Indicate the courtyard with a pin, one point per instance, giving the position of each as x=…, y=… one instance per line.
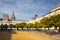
x=24, y=35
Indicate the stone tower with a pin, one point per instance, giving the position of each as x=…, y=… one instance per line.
x=13, y=17
x=5, y=17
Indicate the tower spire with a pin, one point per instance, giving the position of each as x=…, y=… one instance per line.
x=12, y=13
x=13, y=17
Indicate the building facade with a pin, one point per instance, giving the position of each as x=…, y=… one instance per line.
x=5, y=17
x=6, y=20
x=13, y=20
x=13, y=16
x=54, y=11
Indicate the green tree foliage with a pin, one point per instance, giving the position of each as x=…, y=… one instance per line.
x=51, y=21
x=30, y=25
x=17, y=26
x=5, y=26
x=37, y=25
x=11, y=26
x=21, y=25
x=45, y=22
x=1, y=25
x=24, y=25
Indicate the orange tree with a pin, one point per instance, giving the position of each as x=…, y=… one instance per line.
x=51, y=21
x=29, y=26
x=1, y=26
x=11, y=26
x=17, y=26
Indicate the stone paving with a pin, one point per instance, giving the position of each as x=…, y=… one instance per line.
x=55, y=36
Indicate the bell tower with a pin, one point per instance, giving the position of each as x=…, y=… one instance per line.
x=13, y=16
x=5, y=17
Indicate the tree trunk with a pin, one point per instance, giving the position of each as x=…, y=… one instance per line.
x=17, y=28
x=55, y=29
x=27, y=28
x=22, y=28
x=44, y=29
x=49, y=30
x=37, y=29
x=59, y=29
x=6, y=28
x=11, y=28
x=1, y=28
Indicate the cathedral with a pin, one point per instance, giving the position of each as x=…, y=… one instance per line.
x=6, y=17
x=12, y=20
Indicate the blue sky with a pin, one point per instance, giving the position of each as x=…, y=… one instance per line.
x=26, y=9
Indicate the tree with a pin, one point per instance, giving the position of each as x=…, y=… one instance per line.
x=51, y=21
x=11, y=26
x=30, y=25
x=37, y=25
x=23, y=25
x=5, y=26
x=17, y=26
x=44, y=22
x=1, y=26
x=47, y=22
x=56, y=21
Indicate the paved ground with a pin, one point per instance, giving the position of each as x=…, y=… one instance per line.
x=56, y=37
x=23, y=35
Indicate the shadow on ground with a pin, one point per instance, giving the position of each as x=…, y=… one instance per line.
x=6, y=35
